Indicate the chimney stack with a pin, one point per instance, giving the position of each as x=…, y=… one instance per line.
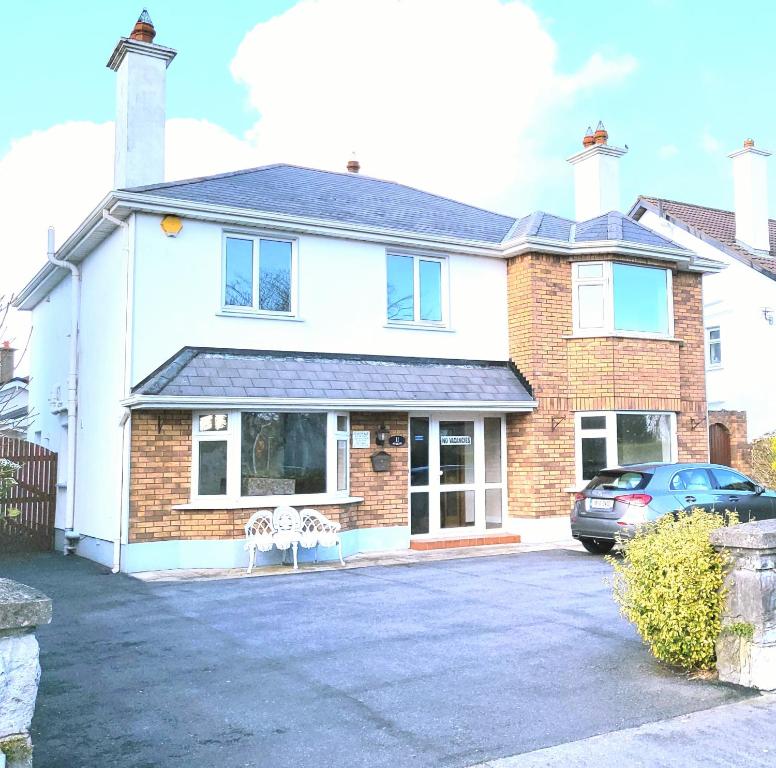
x=141, y=69
x=7, y=364
x=596, y=175
x=750, y=196
x=353, y=165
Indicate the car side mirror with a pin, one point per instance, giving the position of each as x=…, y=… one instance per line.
x=759, y=490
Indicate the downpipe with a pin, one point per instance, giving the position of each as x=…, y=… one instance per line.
x=71, y=536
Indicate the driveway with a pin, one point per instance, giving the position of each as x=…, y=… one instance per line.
x=436, y=664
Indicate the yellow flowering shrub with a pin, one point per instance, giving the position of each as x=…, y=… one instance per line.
x=668, y=583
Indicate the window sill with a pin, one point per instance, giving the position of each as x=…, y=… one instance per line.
x=255, y=314
x=260, y=502
x=407, y=326
x=622, y=335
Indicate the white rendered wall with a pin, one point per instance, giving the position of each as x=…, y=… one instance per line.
x=596, y=183
x=734, y=300
x=100, y=381
x=342, y=302
x=48, y=366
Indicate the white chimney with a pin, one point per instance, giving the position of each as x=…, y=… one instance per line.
x=141, y=68
x=596, y=175
x=750, y=196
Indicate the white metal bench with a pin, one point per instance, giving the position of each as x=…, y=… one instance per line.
x=287, y=528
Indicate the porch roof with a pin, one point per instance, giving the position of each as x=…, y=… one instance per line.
x=203, y=376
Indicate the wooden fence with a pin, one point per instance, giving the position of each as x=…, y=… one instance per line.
x=34, y=496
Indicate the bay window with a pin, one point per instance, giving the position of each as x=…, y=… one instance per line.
x=241, y=455
x=610, y=298
x=610, y=439
x=258, y=275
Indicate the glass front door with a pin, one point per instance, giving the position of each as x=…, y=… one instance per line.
x=456, y=474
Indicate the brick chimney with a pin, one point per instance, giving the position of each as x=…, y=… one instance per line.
x=596, y=175
x=750, y=196
x=7, y=363
x=141, y=69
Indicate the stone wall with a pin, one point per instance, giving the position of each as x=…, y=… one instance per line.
x=746, y=648
x=608, y=373
x=160, y=479
x=22, y=608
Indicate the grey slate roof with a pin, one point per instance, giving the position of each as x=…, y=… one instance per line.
x=198, y=372
x=342, y=197
x=352, y=199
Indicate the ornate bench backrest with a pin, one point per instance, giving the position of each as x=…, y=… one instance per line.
x=259, y=523
x=318, y=529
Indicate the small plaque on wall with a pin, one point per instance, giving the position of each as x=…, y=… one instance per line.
x=397, y=441
x=360, y=438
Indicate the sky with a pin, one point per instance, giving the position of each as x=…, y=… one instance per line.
x=479, y=100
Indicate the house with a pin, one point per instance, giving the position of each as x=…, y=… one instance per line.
x=419, y=369
x=739, y=304
x=13, y=395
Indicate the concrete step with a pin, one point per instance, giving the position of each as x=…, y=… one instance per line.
x=482, y=540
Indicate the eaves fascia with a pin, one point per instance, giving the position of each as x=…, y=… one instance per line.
x=316, y=404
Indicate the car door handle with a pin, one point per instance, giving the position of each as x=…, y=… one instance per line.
x=733, y=498
x=690, y=499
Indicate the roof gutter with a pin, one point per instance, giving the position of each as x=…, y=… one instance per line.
x=345, y=404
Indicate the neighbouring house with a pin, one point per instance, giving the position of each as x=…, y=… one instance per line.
x=739, y=304
x=421, y=370
x=14, y=414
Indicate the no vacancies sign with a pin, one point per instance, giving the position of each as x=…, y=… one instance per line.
x=455, y=440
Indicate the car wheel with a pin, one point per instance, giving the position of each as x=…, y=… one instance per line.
x=597, y=546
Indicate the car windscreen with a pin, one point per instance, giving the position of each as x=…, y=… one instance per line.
x=616, y=480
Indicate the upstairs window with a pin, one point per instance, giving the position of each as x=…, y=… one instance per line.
x=714, y=347
x=621, y=298
x=415, y=289
x=258, y=275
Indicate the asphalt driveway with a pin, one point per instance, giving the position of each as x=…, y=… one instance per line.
x=436, y=664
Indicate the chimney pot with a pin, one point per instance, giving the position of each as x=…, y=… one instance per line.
x=144, y=29
x=7, y=362
x=748, y=142
x=353, y=166
x=601, y=136
x=589, y=138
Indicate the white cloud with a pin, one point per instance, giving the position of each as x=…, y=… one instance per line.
x=709, y=143
x=447, y=96
x=453, y=97
x=667, y=151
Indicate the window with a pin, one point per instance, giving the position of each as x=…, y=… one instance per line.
x=258, y=274
x=696, y=479
x=414, y=289
x=628, y=298
x=727, y=480
x=613, y=439
x=267, y=453
x=713, y=347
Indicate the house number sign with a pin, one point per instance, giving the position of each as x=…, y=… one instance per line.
x=360, y=438
x=455, y=440
x=396, y=440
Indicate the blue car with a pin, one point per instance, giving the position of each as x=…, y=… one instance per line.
x=616, y=501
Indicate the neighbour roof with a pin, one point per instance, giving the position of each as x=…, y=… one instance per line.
x=720, y=226
x=198, y=372
x=350, y=198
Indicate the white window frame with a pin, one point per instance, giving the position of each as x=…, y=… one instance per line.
x=609, y=432
x=254, y=310
x=233, y=437
x=606, y=280
x=709, y=341
x=444, y=297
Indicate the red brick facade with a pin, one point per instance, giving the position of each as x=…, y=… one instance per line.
x=586, y=374
x=160, y=479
